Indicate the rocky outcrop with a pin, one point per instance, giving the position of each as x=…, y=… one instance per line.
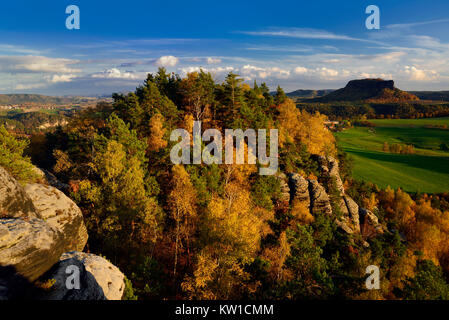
x=38, y=224
x=319, y=199
x=61, y=213
x=88, y=289
x=349, y=221
x=285, y=190
x=83, y=276
x=108, y=276
x=30, y=247
x=14, y=202
x=299, y=188
x=350, y=218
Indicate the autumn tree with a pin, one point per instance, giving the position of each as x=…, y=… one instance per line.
x=182, y=202
x=12, y=158
x=156, y=140
x=197, y=90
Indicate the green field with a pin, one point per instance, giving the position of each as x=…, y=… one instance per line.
x=426, y=171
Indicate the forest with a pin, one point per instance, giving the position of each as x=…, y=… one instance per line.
x=223, y=231
x=387, y=110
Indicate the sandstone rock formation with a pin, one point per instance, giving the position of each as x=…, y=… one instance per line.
x=31, y=247
x=299, y=188
x=14, y=202
x=38, y=223
x=351, y=218
x=285, y=190
x=108, y=276
x=319, y=199
x=60, y=212
x=89, y=289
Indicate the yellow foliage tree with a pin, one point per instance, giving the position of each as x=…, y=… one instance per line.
x=182, y=202
x=300, y=126
x=156, y=140
x=233, y=233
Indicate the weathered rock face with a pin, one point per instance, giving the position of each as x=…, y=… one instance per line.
x=38, y=224
x=353, y=220
x=285, y=190
x=61, y=213
x=299, y=188
x=89, y=289
x=108, y=276
x=30, y=247
x=350, y=210
x=14, y=202
x=329, y=167
x=319, y=199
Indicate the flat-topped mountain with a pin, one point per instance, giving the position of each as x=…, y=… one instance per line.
x=370, y=90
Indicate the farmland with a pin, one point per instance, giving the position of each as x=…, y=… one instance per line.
x=427, y=170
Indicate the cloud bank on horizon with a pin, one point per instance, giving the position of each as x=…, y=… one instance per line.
x=320, y=45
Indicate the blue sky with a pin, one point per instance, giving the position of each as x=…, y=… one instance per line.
x=296, y=44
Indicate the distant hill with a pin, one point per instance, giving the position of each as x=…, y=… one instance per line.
x=301, y=93
x=432, y=95
x=369, y=90
x=25, y=99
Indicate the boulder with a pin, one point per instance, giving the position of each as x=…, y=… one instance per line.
x=88, y=289
x=108, y=276
x=14, y=202
x=60, y=212
x=30, y=247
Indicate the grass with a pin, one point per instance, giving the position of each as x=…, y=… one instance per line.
x=426, y=171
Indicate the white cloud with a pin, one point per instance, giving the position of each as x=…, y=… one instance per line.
x=415, y=74
x=251, y=72
x=36, y=64
x=301, y=70
x=211, y=60
x=167, y=61
x=114, y=73
x=61, y=78
x=303, y=33
x=28, y=86
x=218, y=71
x=384, y=76
x=414, y=24
x=17, y=49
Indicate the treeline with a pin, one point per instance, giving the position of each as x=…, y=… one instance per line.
x=224, y=231
x=344, y=110
x=398, y=148
x=31, y=122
